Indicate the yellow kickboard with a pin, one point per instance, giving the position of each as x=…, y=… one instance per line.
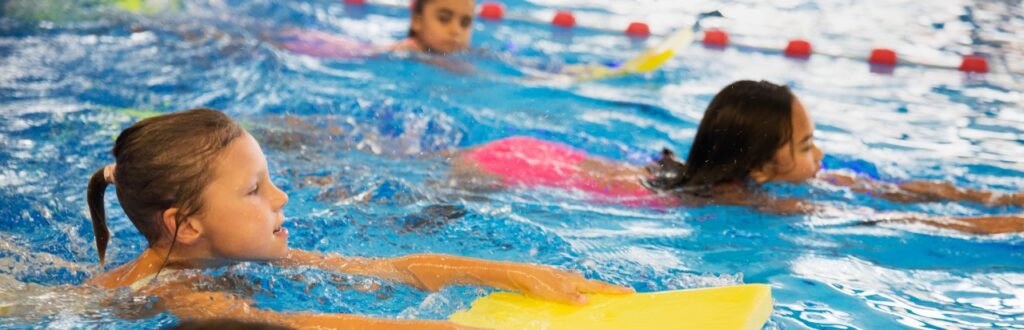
x=649, y=60
x=733, y=307
x=149, y=7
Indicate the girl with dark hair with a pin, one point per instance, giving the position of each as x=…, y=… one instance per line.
x=752, y=133
x=439, y=26
x=197, y=186
x=435, y=26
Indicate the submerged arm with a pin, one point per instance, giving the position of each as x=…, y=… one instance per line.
x=218, y=305
x=435, y=271
x=986, y=225
x=922, y=191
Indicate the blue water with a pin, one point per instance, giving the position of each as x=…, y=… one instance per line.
x=73, y=74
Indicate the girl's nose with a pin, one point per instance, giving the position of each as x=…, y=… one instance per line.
x=280, y=198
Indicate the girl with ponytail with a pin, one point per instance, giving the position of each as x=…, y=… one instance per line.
x=197, y=186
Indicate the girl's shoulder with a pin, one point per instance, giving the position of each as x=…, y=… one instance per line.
x=119, y=277
x=406, y=45
x=146, y=265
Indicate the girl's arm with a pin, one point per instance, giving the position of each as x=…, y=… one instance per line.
x=922, y=191
x=217, y=305
x=987, y=225
x=435, y=271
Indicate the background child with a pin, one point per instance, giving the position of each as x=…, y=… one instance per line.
x=752, y=133
x=435, y=26
x=197, y=186
x=439, y=26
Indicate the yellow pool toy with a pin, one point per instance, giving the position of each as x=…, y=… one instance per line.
x=149, y=7
x=740, y=307
x=650, y=59
x=138, y=114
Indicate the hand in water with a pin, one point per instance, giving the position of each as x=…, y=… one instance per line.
x=1016, y=199
x=946, y=191
x=557, y=285
x=433, y=272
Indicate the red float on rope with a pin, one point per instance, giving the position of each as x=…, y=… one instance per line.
x=564, y=19
x=355, y=2
x=882, y=56
x=492, y=11
x=716, y=37
x=638, y=29
x=798, y=48
x=974, y=63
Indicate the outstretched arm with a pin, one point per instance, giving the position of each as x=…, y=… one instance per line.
x=922, y=191
x=986, y=225
x=435, y=271
x=216, y=305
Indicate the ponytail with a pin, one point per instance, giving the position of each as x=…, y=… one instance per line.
x=97, y=187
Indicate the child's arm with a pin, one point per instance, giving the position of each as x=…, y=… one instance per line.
x=987, y=225
x=435, y=271
x=216, y=305
x=922, y=191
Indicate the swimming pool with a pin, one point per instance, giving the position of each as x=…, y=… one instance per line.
x=70, y=82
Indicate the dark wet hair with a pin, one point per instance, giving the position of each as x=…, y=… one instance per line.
x=162, y=162
x=743, y=127
x=417, y=9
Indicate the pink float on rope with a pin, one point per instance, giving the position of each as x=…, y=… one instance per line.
x=798, y=48
x=563, y=19
x=716, y=37
x=638, y=29
x=492, y=11
x=883, y=56
x=974, y=63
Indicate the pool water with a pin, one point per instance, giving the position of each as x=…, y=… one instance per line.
x=355, y=144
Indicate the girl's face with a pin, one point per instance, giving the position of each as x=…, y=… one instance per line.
x=798, y=160
x=242, y=213
x=444, y=26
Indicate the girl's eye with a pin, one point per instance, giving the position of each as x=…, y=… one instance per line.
x=255, y=190
x=466, y=21
x=444, y=17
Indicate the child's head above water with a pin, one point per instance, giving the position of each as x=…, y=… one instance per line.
x=442, y=26
x=196, y=182
x=751, y=130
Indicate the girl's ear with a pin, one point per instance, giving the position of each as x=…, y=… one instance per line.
x=189, y=230
x=764, y=173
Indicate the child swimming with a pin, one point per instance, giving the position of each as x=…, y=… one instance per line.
x=197, y=186
x=439, y=26
x=752, y=133
x=435, y=26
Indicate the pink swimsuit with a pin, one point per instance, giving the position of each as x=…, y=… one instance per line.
x=323, y=45
x=531, y=162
